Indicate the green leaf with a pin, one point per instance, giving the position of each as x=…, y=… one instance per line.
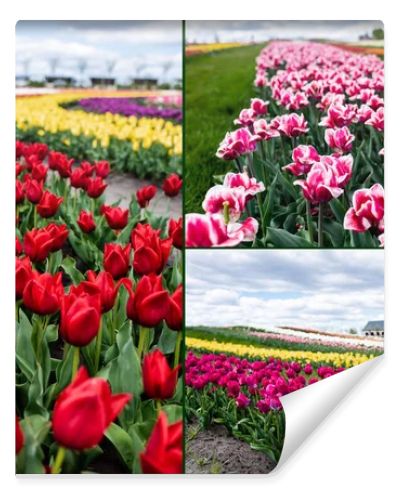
x=269, y=203
x=125, y=373
x=167, y=340
x=35, y=395
x=51, y=334
x=24, y=350
x=122, y=442
x=69, y=266
x=31, y=458
x=338, y=209
x=174, y=413
x=282, y=239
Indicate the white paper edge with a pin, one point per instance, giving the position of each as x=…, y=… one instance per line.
x=306, y=408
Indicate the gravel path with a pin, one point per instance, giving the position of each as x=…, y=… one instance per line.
x=214, y=451
x=122, y=186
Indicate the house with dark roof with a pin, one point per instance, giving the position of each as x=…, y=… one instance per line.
x=374, y=329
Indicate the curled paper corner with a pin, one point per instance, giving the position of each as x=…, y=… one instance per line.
x=306, y=408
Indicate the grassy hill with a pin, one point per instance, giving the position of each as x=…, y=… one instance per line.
x=217, y=85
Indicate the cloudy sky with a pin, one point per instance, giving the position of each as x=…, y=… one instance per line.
x=143, y=47
x=329, y=289
x=259, y=31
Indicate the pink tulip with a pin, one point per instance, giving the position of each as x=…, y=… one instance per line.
x=303, y=158
x=250, y=184
x=377, y=120
x=259, y=106
x=343, y=167
x=367, y=210
x=246, y=117
x=340, y=139
x=218, y=197
x=237, y=143
x=321, y=184
x=209, y=230
x=293, y=125
x=364, y=113
x=340, y=116
x=264, y=131
x=381, y=239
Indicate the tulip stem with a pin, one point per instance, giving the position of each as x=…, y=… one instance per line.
x=158, y=406
x=177, y=348
x=320, y=225
x=98, y=346
x=58, y=461
x=34, y=216
x=143, y=333
x=309, y=222
x=75, y=362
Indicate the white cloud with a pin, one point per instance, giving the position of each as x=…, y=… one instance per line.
x=323, y=289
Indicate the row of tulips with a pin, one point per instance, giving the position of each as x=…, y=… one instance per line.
x=99, y=320
x=244, y=395
x=332, y=356
x=308, y=155
x=149, y=147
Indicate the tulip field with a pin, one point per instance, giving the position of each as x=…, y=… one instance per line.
x=98, y=299
x=140, y=135
x=306, y=156
x=236, y=376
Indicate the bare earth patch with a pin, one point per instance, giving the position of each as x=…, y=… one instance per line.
x=122, y=186
x=214, y=451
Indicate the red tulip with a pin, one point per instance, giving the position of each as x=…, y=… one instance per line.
x=145, y=194
x=49, y=204
x=80, y=317
x=18, y=246
x=19, y=149
x=23, y=273
x=107, y=289
x=117, y=217
x=172, y=185
x=87, y=168
x=39, y=172
x=38, y=244
x=117, y=259
x=175, y=232
x=61, y=163
x=86, y=221
x=149, y=303
x=95, y=187
x=158, y=379
x=59, y=234
x=78, y=178
x=102, y=168
x=36, y=148
x=163, y=453
x=19, y=191
x=151, y=253
x=175, y=313
x=42, y=293
x=33, y=190
x=18, y=168
x=19, y=436
x=84, y=410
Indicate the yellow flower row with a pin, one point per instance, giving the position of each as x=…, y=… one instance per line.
x=46, y=113
x=330, y=358
x=204, y=48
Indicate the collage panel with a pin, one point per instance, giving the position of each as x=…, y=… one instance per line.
x=262, y=325
x=99, y=286
x=284, y=134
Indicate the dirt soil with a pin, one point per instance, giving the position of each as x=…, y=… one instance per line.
x=214, y=451
x=122, y=186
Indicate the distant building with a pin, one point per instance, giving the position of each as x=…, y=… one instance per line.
x=102, y=82
x=60, y=81
x=374, y=329
x=145, y=83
